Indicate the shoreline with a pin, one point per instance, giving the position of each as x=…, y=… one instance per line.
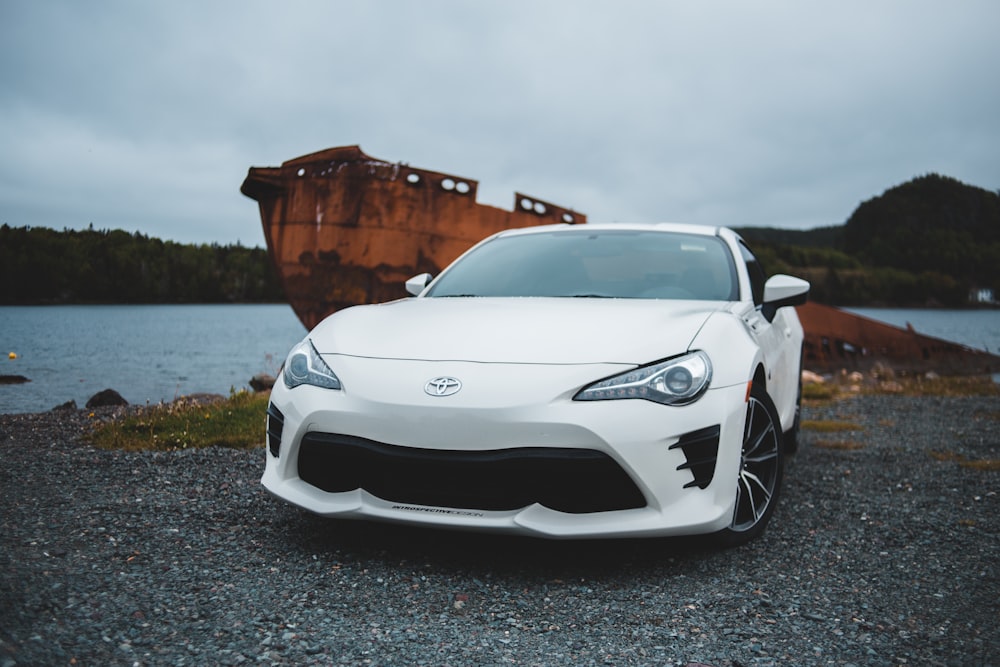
x=874, y=378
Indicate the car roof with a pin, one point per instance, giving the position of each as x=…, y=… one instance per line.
x=674, y=227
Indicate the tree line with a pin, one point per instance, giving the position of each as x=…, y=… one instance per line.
x=927, y=242
x=39, y=265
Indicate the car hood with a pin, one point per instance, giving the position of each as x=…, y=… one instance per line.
x=516, y=330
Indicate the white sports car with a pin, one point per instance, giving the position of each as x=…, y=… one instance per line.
x=559, y=381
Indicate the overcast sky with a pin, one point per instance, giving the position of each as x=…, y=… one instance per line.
x=146, y=115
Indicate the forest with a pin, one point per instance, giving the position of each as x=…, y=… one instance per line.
x=43, y=266
x=928, y=242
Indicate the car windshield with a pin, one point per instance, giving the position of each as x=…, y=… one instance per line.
x=595, y=263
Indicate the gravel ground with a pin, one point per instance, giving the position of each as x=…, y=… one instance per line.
x=879, y=554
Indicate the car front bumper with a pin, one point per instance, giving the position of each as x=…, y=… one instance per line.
x=685, y=487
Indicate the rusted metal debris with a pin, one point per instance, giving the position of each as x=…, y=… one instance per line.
x=836, y=339
x=344, y=228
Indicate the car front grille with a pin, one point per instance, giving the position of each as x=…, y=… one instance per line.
x=275, y=425
x=701, y=449
x=567, y=480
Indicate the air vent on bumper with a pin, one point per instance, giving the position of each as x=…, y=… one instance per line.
x=275, y=425
x=701, y=449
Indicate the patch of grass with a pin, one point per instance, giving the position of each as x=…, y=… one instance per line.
x=236, y=422
x=918, y=385
x=819, y=392
x=840, y=445
x=829, y=426
x=992, y=465
x=901, y=384
x=978, y=464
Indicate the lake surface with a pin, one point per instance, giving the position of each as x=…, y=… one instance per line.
x=145, y=353
x=150, y=354
x=976, y=328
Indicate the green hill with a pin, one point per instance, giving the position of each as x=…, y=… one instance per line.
x=927, y=242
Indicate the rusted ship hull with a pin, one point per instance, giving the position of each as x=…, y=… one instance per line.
x=344, y=228
x=836, y=339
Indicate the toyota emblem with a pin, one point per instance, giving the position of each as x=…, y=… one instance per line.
x=442, y=386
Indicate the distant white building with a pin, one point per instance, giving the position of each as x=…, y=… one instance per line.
x=982, y=295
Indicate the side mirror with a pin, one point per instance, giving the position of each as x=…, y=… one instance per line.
x=780, y=291
x=416, y=284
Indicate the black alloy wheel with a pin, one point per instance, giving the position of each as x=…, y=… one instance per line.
x=760, y=471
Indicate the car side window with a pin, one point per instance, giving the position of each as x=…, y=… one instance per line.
x=756, y=273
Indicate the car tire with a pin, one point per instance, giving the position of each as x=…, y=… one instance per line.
x=791, y=436
x=760, y=471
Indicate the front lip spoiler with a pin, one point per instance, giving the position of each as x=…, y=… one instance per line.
x=534, y=521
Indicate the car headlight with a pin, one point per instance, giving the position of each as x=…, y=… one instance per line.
x=305, y=366
x=677, y=381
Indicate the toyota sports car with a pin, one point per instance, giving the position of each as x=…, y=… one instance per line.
x=564, y=381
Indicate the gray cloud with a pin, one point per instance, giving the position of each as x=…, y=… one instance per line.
x=146, y=116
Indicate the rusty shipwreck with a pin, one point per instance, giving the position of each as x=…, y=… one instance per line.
x=344, y=228
x=836, y=339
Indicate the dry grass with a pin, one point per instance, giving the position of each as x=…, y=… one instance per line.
x=991, y=465
x=236, y=422
x=820, y=392
x=918, y=385
x=978, y=464
x=829, y=426
x=901, y=385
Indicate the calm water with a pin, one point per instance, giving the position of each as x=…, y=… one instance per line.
x=145, y=353
x=976, y=328
x=156, y=353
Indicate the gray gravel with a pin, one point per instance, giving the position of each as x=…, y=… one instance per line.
x=877, y=555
